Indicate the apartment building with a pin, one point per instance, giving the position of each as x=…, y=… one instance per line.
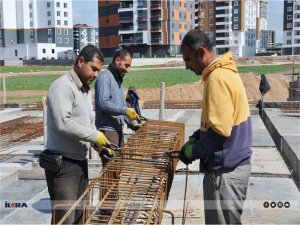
x=147, y=28
x=271, y=39
x=291, y=28
x=239, y=26
x=83, y=35
x=35, y=29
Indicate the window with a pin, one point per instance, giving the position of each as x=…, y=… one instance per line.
x=57, y=4
x=16, y=52
x=31, y=23
x=172, y=25
x=32, y=40
x=58, y=22
x=66, y=31
x=236, y=26
x=30, y=5
x=289, y=33
x=49, y=31
x=44, y=50
x=59, y=40
x=30, y=15
x=290, y=8
x=235, y=19
x=289, y=42
x=58, y=13
x=66, y=40
x=172, y=36
x=236, y=41
x=289, y=17
x=289, y=25
x=58, y=31
x=48, y=4
x=65, y=14
x=48, y=13
x=49, y=22
x=31, y=33
x=66, y=22
x=53, y=51
x=236, y=11
x=65, y=5
x=235, y=3
x=49, y=40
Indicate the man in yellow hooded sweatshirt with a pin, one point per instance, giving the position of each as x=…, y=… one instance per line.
x=223, y=142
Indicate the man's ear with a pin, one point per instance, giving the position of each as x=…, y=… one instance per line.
x=200, y=52
x=80, y=61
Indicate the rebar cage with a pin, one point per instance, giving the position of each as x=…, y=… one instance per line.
x=133, y=187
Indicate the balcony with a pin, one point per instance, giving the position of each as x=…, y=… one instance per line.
x=125, y=19
x=141, y=4
x=156, y=40
x=131, y=41
x=156, y=28
x=126, y=5
x=155, y=4
x=156, y=18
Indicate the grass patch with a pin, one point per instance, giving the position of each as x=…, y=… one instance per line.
x=258, y=70
x=28, y=82
x=23, y=99
x=139, y=79
x=19, y=69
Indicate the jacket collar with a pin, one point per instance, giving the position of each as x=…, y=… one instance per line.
x=118, y=77
x=78, y=83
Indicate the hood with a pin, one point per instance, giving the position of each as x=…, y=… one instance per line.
x=225, y=61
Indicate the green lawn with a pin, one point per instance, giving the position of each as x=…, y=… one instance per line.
x=140, y=79
x=18, y=69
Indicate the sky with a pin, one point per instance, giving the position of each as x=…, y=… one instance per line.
x=86, y=11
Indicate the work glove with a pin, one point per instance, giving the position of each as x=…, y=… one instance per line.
x=136, y=126
x=106, y=153
x=132, y=115
x=101, y=140
x=186, y=153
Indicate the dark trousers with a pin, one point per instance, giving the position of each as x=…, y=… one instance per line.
x=65, y=187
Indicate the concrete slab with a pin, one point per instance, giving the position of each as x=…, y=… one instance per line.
x=10, y=114
x=260, y=190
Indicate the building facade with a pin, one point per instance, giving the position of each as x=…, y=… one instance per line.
x=83, y=35
x=34, y=29
x=238, y=26
x=271, y=39
x=291, y=28
x=147, y=28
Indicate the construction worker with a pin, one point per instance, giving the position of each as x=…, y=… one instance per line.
x=70, y=132
x=111, y=107
x=223, y=142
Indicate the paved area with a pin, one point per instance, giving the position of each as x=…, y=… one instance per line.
x=22, y=179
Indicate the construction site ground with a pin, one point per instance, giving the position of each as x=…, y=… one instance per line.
x=23, y=181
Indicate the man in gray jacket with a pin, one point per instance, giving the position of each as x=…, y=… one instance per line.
x=71, y=130
x=111, y=107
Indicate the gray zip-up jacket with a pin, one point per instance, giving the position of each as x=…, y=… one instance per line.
x=110, y=102
x=70, y=117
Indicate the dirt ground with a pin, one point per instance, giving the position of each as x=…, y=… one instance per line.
x=278, y=92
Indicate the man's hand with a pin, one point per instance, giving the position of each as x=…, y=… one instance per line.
x=101, y=140
x=136, y=126
x=106, y=153
x=186, y=153
x=132, y=115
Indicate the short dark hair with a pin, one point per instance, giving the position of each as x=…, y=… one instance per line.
x=89, y=52
x=122, y=53
x=196, y=38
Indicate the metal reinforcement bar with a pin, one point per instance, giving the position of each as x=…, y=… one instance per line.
x=290, y=107
x=173, y=104
x=34, y=106
x=133, y=187
x=18, y=131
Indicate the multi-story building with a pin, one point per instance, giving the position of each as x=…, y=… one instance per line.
x=35, y=29
x=238, y=26
x=291, y=28
x=271, y=39
x=147, y=28
x=83, y=35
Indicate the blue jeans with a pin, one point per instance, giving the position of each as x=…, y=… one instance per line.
x=65, y=187
x=224, y=195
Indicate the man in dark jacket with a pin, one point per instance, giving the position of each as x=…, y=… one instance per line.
x=111, y=107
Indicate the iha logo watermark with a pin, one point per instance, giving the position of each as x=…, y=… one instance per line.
x=13, y=204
